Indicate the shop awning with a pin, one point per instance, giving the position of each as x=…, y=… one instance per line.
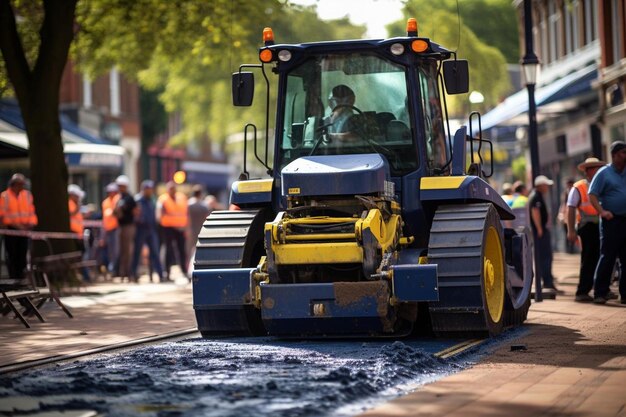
x=512, y=111
x=15, y=145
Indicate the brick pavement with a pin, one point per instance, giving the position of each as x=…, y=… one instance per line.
x=575, y=365
x=104, y=314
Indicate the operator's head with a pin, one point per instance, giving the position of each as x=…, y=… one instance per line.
x=341, y=95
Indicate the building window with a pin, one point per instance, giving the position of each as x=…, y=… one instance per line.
x=553, y=16
x=87, y=93
x=567, y=17
x=616, y=31
x=543, y=34
x=114, y=86
x=591, y=21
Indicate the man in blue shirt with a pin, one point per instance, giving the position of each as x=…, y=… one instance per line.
x=146, y=231
x=607, y=193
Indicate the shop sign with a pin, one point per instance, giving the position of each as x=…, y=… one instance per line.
x=578, y=140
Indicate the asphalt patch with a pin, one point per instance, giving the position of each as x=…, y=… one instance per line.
x=234, y=377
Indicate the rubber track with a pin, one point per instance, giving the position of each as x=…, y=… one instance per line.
x=455, y=245
x=222, y=240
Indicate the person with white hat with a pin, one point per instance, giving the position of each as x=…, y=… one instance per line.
x=125, y=210
x=110, y=227
x=75, y=197
x=587, y=227
x=539, y=223
x=75, y=194
x=607, y=193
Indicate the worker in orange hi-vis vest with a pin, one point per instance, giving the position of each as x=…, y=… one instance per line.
x=110, y=227
x=75, y=194
x=17, y=211
x=173, y=218
x=587, y=227
x=77, y=225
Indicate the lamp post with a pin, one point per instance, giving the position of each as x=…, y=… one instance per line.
x=530, y=65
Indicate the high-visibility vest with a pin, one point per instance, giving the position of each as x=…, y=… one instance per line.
x=109, y=220
x=519, y=201
x=17, y=209
x=76, y=218
x=173, y=212
x=586, y=212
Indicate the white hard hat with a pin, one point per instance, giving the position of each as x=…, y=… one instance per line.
x=75, y=190
x=122, y=180
x=543, y=180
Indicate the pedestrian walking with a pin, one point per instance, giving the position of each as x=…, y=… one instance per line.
x=146, y=231
x=581, y=212
x=541, y=233
x=607, y=194
x=173, y=217
x=125, y=211
x=17, y=211
x=197, y=210
x=110, y=227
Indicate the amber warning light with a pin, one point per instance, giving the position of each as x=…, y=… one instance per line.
x=411, y=27
x=268, y=36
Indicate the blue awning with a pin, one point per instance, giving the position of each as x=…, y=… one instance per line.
x=10, y=113
x=507, y=112
x=84, y=155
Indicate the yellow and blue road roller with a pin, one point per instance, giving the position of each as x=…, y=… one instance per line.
x=374, y=220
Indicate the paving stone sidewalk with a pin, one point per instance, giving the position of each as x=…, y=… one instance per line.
x=104, y=314
x=575, y=365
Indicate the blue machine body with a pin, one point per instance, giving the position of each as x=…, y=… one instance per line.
x=333, y=175
x=347, y=307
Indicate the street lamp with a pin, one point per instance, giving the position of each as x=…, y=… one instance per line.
x=530, y=65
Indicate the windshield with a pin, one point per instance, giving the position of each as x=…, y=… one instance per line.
x=348, y=104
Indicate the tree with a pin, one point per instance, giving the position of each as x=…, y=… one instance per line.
x=488, y=73
x=36, y=85
x=185, y=49
x=494, y=22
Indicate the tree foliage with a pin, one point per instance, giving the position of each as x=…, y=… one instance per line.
x=488, y=73
x=34, y=64
x=188, y=49
x=494, y=22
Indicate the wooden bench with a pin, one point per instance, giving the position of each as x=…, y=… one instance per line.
x=49, y=265
x=22, y=296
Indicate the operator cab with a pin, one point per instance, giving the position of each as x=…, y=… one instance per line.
x=360, y=97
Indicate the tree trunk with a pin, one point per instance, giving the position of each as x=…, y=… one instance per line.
x=37, y=91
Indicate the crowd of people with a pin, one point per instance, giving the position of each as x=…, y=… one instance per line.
x=131, y=226
x=593, y=213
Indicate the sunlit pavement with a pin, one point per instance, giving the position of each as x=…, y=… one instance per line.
x=573, y=351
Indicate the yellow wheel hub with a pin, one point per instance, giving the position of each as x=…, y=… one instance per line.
x=493, y=274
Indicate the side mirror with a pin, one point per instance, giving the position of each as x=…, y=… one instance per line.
x=456, y=76
x=243, y=88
